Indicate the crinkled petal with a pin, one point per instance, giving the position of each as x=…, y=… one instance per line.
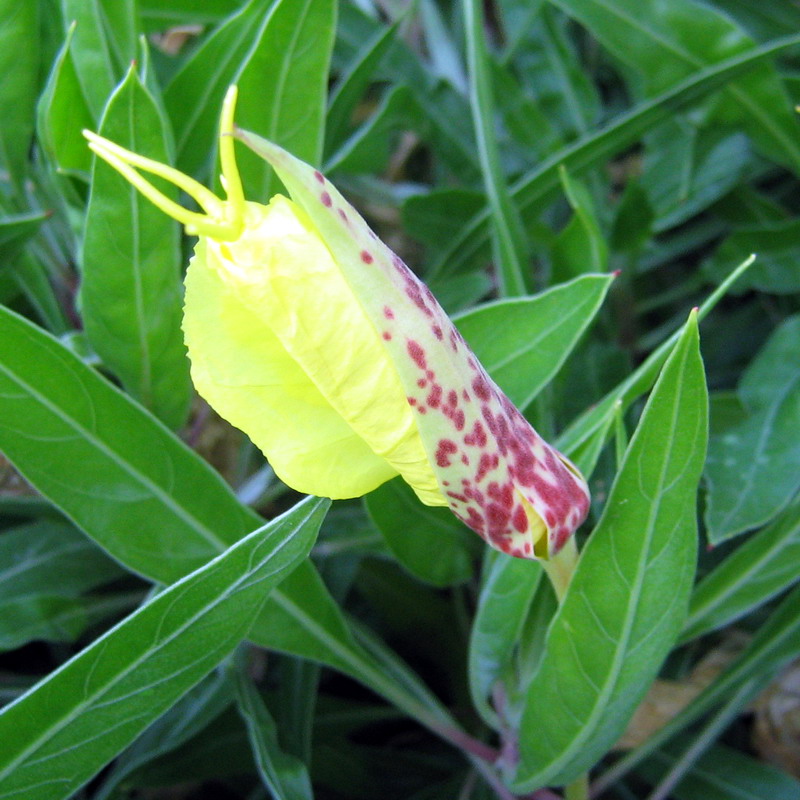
x=240, y=367
x=280, y=278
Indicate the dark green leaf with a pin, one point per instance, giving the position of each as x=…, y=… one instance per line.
x=666, y=42
x=284, y=775
x=15, y=231
x=351, y=86
x=508, y=588
x=538, y=185
x=753, y=468
x=63, y=112
x=429, y=542
x=723, y=774
x=44, y=568
x=19, y=66
x=751, y=576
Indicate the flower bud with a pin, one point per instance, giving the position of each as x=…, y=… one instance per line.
x=309, y=334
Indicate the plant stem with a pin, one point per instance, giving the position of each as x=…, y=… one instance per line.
x=578, y=789
x=560, y=570
x=561, y=567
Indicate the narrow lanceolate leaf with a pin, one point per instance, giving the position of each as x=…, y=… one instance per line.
x=508, y=588
x=134, y=488
x=507, y=231
x=66, y=728
x=665, y=42
x=15, y=230
x=195, y=92
x=285, y=776
x=352, y=85
x=540, y=183
x=722, y=773
x=187, y=718
x=92, y=53
x=19, y=63
x=628, y=598
x=751, y=576
x=753, y=467
x=62, y=113
x=289, y=40
x=145, y=497
x=44, y=568
x=295, y=47
x=586, y=431
x=776, y=643
x=130, y=290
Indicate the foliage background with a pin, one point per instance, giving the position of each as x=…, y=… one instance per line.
x=504, y=150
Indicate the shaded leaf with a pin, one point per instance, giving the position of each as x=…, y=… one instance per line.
x=753, y=468
x=429, y=542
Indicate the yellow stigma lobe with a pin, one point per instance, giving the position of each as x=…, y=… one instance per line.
x=223, y=220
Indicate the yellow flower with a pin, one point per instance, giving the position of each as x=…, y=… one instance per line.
x=309, y=334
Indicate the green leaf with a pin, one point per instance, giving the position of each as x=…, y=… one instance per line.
x=438, y=216
x=429, y=542
x=369, y=147
x=531, y=190
x=150, y=501
x=550, y=67
x=666, y=42
x=523, y=342
x=15, y=231
x=162, y=15
x=776, y=643
x=508, y=235
x=583, y=435
x=44, y=568
x=33, y=279
x=753, y=468
x=190, y=715
x=91, y=52
x=722, y=773
x=138, y=491
x=294, y=47
x=285, y=776
x=517, y=17
x=66, y=728
x=290, y=41
x=633, y=221
x=628, y=598
x=752, y=575
x=131, y=296
x=508, y=589
x=777, y=243
x=19, y=64
x=351, y=86
x=687, y=168
x=194, y=95
x=63, y=112
x=580, y=247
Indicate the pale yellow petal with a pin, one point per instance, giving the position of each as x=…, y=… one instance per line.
x=240, y=367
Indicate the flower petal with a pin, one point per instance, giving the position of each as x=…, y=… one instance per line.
x=334, y=426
